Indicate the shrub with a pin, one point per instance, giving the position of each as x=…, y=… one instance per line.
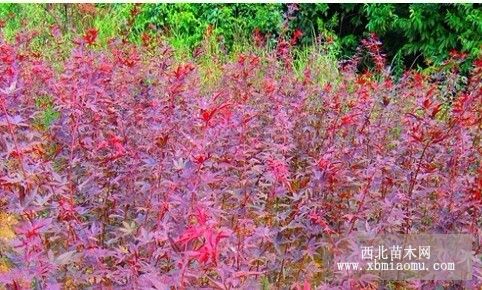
x=413, y=34
x=142, y=179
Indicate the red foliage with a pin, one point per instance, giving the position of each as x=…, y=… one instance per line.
x=258, y=37
x=297, y=34
x=148, y=180
x=90, y=36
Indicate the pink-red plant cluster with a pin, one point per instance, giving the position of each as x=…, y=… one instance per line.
x=146, y=180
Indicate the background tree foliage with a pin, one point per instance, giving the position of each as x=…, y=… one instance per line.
x=412, y=34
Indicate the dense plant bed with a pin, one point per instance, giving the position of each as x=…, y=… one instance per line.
x=120, y=169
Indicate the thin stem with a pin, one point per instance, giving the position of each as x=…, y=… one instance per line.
x=15, y=143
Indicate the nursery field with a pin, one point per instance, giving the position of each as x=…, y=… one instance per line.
x=135, y=161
